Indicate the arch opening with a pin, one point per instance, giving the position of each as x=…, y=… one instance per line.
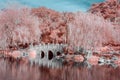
x=42, y=54
x=58, y=53
x=50, y=55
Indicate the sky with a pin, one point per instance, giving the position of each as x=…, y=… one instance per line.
x=58, y=5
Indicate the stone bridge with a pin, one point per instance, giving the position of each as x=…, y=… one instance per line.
x=45, y=54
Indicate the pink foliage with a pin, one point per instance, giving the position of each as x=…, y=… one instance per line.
x=77, y=29
x=24, y=26
x=53, y=24
x=110, y=10
x=90, y=31
x=18, y=26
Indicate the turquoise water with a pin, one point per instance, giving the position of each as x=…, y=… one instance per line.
x=59, y=5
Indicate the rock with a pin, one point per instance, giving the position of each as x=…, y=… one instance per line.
x=16, y=54
x=101, y=60
x=78, y=58
x=32, y=54
x=94, y=60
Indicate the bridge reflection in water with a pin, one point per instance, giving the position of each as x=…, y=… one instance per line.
x=15, y=70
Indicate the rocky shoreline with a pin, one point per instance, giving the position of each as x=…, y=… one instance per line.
x=88, y=57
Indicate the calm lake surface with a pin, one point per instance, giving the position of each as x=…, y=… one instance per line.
x=14, y=70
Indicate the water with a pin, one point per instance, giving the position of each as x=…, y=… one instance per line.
x=58, y=5
x=18, y=70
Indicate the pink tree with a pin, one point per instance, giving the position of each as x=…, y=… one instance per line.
x=18, y=26
x=90, y=32
x=53, y=24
